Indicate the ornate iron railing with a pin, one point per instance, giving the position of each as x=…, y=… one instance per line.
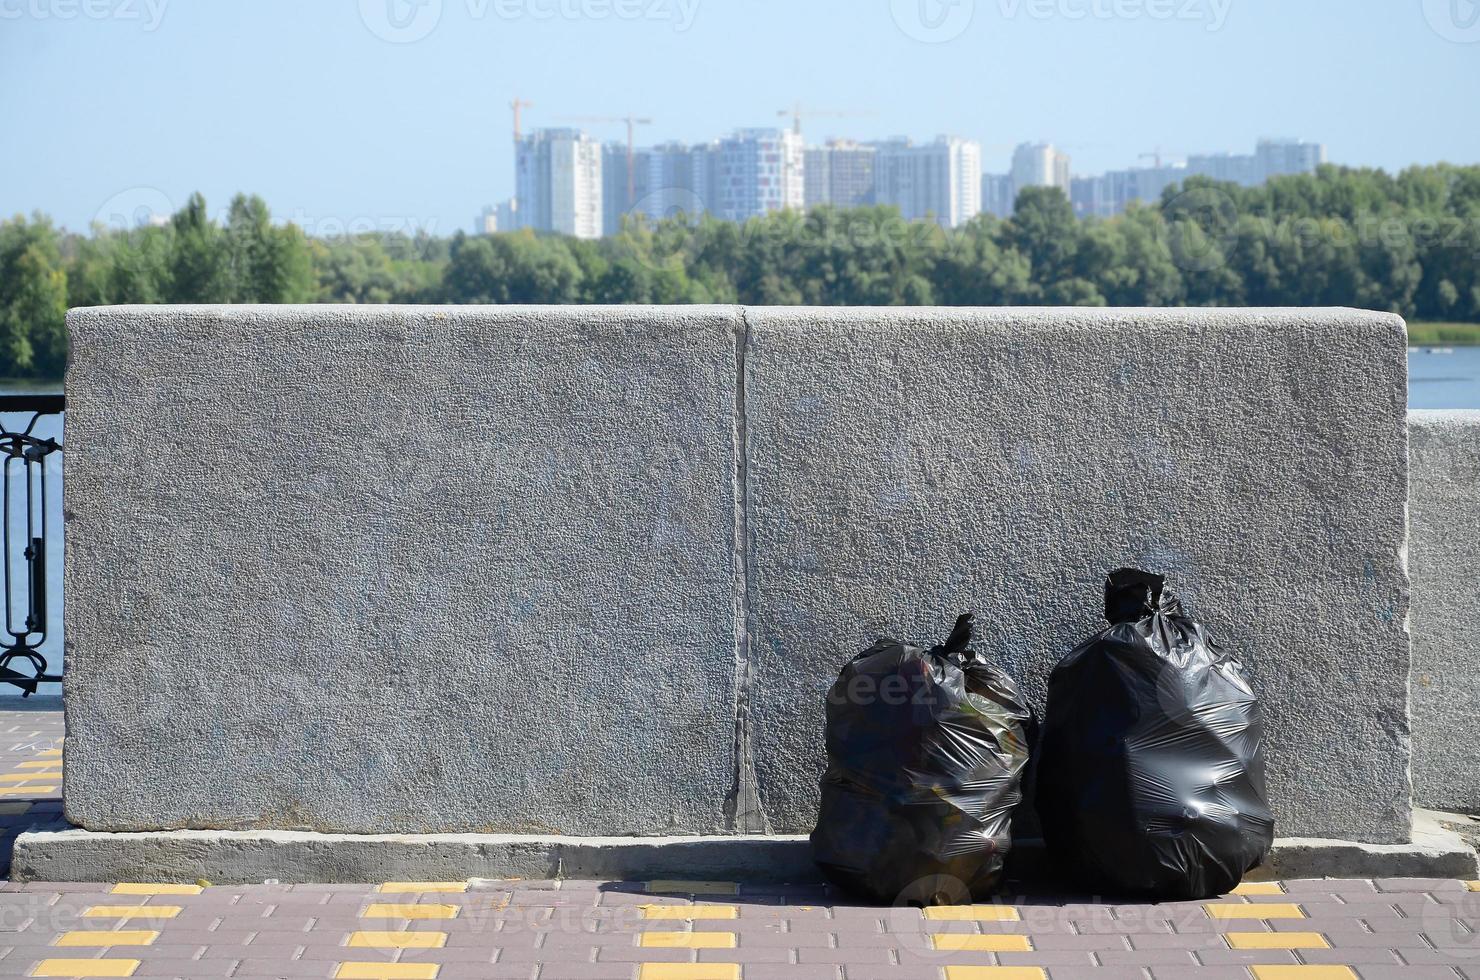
x=31, y=476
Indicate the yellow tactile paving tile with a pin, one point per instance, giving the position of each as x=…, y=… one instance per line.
x=973, y=913
x=381, y=939
x=153, y=888
x=39, y=764
x=421, y=887
x=131, y=911
x=85, y=968
x=1303, y=973
x=687, y=940
x=1256, y=910
x=689, y=971
x=1276, y=940
x=670, y=886
x=690, y=912
x=1258, y=888
x=28, y=777
x=386, y=971
x=424, y=910
x=24, y=790
x=958, y=942
x=107, y=937
x=997, y=973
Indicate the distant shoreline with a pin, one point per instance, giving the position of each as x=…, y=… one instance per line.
x=1444, y=334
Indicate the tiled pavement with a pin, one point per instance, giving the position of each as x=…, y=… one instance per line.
x=30, y=775
x=581, y=930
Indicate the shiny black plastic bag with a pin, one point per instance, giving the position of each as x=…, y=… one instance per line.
x=1150, y=767
x=926, y=751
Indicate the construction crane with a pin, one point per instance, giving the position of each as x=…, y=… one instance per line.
x=798, y=111
x=632, y=122
x=1155, y=156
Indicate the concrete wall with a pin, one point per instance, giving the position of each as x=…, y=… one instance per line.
x=590, y=570
x=1444, y=556
x=401, y=570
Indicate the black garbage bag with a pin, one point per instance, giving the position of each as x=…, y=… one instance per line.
x=925, y=751
x=1150, y=766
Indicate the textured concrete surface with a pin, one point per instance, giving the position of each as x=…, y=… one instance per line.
x=401, y=569
x=61, y=853
x=1436, y=852
x=1444, y=560
x=46, y=848
x=907, y=465
x=556, y=570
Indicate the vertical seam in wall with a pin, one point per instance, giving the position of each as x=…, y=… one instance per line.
x=743, y=808
x=1404, y=558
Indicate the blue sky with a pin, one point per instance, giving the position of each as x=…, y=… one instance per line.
x=394, y=113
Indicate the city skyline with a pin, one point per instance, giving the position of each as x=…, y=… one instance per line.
x=337, y=118
x=569, y=183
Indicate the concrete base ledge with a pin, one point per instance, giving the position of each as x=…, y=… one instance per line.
x=240, y=857
x=1436, y=852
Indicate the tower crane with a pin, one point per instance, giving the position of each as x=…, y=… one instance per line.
x=632, y=122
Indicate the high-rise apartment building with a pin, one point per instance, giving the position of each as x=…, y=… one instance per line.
x=495, y=218
x=941, y=180
x=676, y=181
x=1233, y=168
x=997, y=194
x=840, y=174
x=1039, y=165
x=1284, y=157
x=759, y=171
x=1113, y=192
x=558, y=173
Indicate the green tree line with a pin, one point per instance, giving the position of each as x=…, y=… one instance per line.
x=1406, y=243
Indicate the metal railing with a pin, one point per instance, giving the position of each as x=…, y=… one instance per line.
x=30, y=476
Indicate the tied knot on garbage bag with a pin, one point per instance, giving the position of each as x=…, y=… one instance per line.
x=926, y=750
x=1150, y=769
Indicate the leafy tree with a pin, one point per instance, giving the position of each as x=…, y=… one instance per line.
x=33, y=300
x=199, y=266
x=265, y=264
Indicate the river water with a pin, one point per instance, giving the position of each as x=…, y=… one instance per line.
x=1444, y=377
x=1437, y=378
